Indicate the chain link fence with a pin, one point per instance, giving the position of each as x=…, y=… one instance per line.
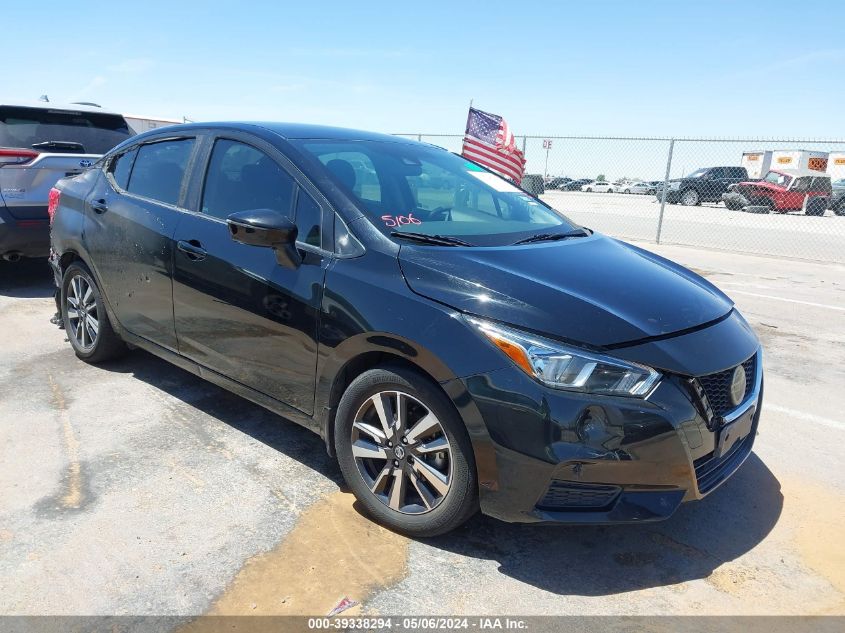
x=668, y=190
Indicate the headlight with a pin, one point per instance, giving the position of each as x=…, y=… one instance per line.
x=674, y=186
x=563, y=367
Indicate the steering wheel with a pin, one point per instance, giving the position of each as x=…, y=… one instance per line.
x=443, y=214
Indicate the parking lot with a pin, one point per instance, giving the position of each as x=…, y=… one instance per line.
x=708, y=225
x=137, y=488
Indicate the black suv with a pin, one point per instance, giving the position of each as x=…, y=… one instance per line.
x=704, y=185
x=458, y=343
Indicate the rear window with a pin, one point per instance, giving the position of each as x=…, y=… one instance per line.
x=821, y=185
x=96, y=132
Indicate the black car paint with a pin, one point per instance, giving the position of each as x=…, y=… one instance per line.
x=336, y=315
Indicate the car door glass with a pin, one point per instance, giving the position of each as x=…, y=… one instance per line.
x=243, y=178
x=121, y=166
x=802, y=184
x=159, y=169
x=356, y=172
x=308, y=220
x=821, y=185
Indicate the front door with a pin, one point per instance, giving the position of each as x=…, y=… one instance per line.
x=237, y=310
x=130, y=219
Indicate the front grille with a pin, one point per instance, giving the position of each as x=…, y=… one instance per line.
x=567, y=495
x=717, y=387
x=710, y=471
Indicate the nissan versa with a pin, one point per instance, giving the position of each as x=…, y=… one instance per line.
x=458, y=343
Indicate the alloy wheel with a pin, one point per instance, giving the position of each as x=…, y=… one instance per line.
x=402, y=452
x=82, y=313
x=690, y=198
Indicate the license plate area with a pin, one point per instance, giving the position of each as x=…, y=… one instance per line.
x=734, y=432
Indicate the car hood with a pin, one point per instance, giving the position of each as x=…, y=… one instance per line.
x=594, y=290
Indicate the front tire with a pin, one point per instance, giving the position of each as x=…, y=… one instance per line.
x=405, y=453
x=85, y=319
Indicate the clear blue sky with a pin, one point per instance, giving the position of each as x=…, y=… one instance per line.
x=761, y=68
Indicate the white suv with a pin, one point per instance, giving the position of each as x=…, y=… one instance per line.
x=39, y=144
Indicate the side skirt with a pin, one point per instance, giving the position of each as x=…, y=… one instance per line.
x=263, y=400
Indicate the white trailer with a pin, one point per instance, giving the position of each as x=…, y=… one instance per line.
x=757, y=164
x=836, y=165
x=799, y=159
x=138, y=124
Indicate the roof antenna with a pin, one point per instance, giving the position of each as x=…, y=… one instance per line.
x=44, y=98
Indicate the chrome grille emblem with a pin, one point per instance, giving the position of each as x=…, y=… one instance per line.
x=738, y=385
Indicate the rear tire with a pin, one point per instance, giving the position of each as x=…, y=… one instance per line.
x=85, y=319
x=428, y=488
x=690, y=198
x=817, y=206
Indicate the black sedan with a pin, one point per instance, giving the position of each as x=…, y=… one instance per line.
x=456, y=342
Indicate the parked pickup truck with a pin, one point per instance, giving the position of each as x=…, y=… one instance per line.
x=703, y=185
x=781, y=191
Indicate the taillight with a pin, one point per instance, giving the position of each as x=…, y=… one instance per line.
x=14, y=156
x=53, y=203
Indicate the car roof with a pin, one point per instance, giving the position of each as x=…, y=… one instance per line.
x=800, y=173
x=49, y=105
x=290, y=131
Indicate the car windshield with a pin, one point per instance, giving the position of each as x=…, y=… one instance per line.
x=698, y=173
x=420, y=189
x=777, y=178
x=96, y=132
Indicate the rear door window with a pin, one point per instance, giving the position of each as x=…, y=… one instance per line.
x=121, y=166
x=96, y=132
x=821, y=185
x=159, y=169
x=243, y=178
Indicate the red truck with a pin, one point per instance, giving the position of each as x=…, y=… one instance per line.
x=781, y=191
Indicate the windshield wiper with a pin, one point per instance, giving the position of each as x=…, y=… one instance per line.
x=425, y=238
x=550, y=237
x=68, y=145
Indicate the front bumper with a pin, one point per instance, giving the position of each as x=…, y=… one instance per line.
x=26, y=237
x=564, y=457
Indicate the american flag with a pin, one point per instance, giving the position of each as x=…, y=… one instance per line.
x=489, y=142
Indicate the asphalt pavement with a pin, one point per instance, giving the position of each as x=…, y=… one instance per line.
x=137, y=488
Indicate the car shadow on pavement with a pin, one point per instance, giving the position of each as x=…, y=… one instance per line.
x=275, y=431
x=603, y=560
x=566, y=560
x=26, y=279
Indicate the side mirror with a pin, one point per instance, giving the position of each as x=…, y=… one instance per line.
x=268, y=229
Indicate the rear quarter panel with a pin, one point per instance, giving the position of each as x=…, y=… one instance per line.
x=66, y=233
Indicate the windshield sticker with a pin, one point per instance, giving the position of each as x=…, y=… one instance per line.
x=492, y=180
x=391, y=221
x=472, y=167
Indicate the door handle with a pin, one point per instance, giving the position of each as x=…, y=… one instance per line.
x=99, y=206
x=193, y=249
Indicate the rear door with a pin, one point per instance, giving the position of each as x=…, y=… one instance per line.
x=238, y=312
x=130, y=219
x=43, y=145
x=797, y=194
